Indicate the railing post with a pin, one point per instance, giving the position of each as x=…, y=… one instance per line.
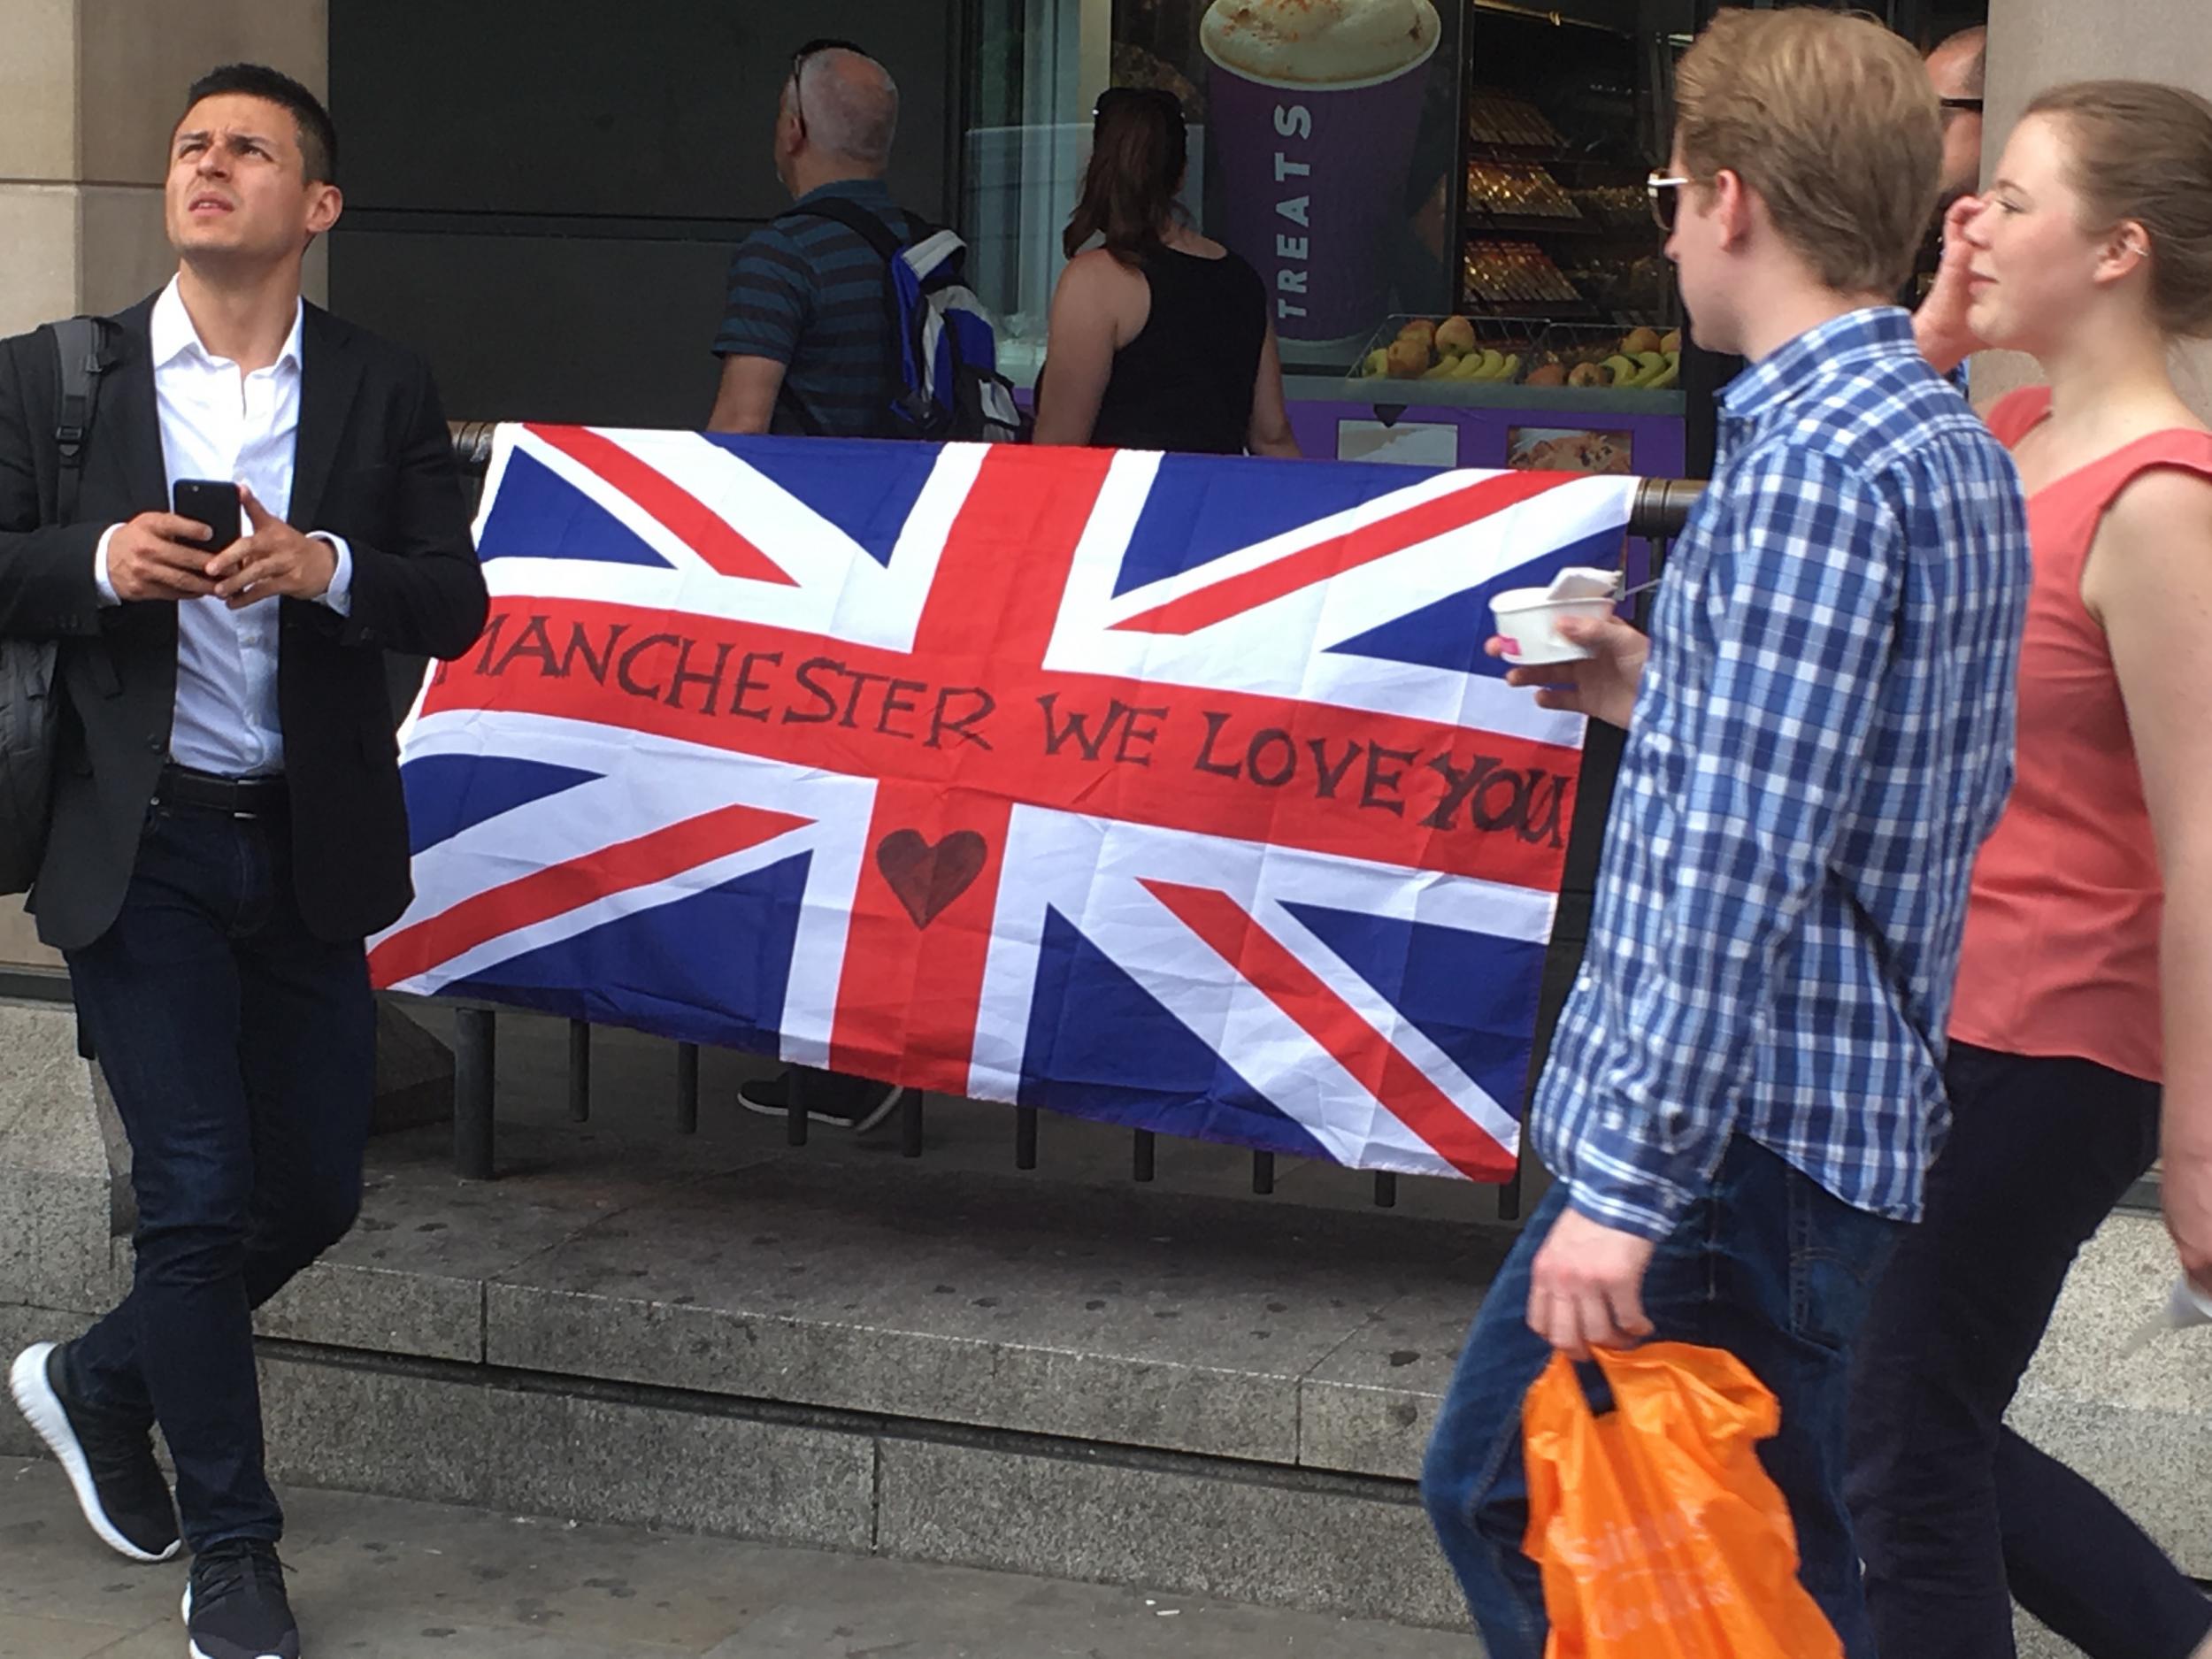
x=686, y=1088
x=579, y=1071
x=475, y=1056
x=795, y=1106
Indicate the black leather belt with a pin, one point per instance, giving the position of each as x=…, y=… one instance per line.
x=183, y=788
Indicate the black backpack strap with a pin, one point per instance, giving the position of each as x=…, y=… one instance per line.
x=855, y=218
x=802, y=416
x=81, y=347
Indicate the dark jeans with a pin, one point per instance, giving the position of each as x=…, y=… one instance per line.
x=1766, y=1264
x=240, y=1052
x=1958, y=1515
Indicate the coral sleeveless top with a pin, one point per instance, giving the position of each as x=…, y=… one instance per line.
x=2060, y=955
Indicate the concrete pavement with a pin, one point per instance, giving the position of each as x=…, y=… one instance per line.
x=380, y=1579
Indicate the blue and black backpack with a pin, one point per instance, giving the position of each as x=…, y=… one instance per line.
x=945, y=386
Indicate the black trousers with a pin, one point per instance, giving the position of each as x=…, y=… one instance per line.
x=1957, y=1515
x=240, y=1051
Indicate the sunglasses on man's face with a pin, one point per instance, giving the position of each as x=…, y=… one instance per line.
x=813, y=48
x=1971, y=106
x=1666, y=199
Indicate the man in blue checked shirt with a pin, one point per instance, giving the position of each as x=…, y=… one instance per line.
x=1744, y=1092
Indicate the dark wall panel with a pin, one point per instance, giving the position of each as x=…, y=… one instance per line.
x=542, y=195
x=614, y=332
x=559, y=106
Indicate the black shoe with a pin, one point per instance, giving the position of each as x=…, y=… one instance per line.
x=234, y=1606
x=843, y=1103
x=120, y=1486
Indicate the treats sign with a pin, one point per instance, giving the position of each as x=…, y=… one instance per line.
x=1294, y=250
x=1316, y=104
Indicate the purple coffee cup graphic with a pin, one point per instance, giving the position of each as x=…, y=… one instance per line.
x=1312, y=173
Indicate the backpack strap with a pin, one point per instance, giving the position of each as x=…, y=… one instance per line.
x=81, y=347
x=788, y=400
x=855, y=218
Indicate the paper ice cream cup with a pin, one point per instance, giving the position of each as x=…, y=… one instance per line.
x=1313, y=166
x=1529, y=618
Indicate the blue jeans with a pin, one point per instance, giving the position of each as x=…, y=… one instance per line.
x=1766, y=1264
x=240, y=1051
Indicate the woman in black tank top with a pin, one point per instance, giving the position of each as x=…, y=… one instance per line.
x=1159, y=339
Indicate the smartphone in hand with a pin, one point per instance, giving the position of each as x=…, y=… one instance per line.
x=210, y=502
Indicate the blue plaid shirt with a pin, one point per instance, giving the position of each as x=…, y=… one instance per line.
x=1822, y=739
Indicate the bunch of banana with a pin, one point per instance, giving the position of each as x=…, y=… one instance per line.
x=1486, y=364
x=1646, y=372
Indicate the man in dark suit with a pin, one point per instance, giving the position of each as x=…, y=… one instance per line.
x=227, y=823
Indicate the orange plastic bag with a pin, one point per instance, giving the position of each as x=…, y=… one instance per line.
x=1658, y=1531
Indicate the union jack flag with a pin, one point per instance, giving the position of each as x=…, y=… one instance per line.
x=1172, y=791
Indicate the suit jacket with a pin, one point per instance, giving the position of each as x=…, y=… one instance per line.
x=374, y=464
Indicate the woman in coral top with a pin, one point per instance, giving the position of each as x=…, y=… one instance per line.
x=2092, y=906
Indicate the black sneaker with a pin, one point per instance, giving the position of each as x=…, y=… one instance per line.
x=234, y=1606
x=120, y=1486
x=843, y=1103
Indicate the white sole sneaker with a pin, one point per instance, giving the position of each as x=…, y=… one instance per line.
x=193, y=1649
x=877, y=1113
x=41, y=1407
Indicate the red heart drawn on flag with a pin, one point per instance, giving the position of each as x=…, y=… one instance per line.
x=928, y=877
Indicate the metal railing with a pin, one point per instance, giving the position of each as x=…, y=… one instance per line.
x=1661, y=507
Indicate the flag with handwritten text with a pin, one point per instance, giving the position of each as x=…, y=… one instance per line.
x=1174, y=791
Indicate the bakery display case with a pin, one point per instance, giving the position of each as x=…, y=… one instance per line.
x=1472, y=167
x=1558, y=343
x=1563, y=121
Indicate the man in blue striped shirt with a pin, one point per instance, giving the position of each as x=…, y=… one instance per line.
x=806, y=339
x=1744, y=1092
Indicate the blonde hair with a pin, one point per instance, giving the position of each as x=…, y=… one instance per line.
x=2142, y=152
x=1829, y=118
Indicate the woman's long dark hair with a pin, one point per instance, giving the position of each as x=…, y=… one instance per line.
x=1139, y=150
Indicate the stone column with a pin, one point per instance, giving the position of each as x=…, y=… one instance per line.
x=89, y=92
x=2038, y=43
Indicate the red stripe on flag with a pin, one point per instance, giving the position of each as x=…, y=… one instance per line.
x=1406, y=1091
x=1235, y=596
x=690, y=520
x=1361, y=784
x=560, y=888
x=998, y=586
x=907, y=1000
x=909, y=990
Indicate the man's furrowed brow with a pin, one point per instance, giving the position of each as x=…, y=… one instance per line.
x=236, y=135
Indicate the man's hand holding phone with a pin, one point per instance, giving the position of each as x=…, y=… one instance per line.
x=165, y=554
x=273, y=560
x=159, y=556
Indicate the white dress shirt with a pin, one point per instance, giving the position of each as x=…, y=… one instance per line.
x=217, y=424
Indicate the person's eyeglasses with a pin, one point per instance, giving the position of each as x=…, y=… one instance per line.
x=1666, y=199
x=1137, y=97
x=1972, y=107
x=813, y=48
